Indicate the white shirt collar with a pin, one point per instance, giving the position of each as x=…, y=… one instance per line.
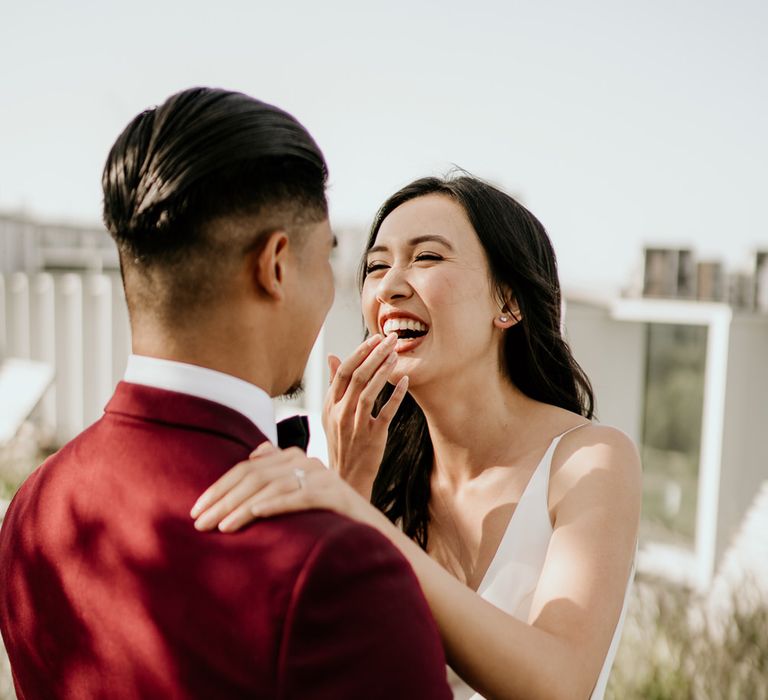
x=241, y=396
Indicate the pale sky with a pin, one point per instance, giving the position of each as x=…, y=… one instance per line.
x=617, y=123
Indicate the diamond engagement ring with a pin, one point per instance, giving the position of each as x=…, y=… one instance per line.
x=301, y=476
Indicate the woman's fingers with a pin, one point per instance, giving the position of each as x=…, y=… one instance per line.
x=230, y=491
x=298, y=474
x=333, y=366
x=228, y=481
x=274, y=471
x=287, y=503
x=375, y=384
x=354, y=373
x=322, y=492
x=344, y=371
x=243, y=514
x=367, y=369
x=388, y=410
x=230, y=501
x=216, y=490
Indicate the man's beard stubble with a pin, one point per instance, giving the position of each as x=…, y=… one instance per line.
x=293, y=391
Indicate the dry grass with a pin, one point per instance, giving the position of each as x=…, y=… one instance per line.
x=673, y=650
x=18, y=459
x=6, y=683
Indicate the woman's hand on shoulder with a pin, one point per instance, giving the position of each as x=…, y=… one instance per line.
x=356, y=439
x=271, y=482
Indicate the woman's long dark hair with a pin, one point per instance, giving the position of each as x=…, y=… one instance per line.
x=535, y=356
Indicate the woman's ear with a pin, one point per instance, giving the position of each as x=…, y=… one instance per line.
x=268, y=265
x=510, y=316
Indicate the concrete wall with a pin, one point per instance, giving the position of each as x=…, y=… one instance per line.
x=612, y=353
x=611, y=346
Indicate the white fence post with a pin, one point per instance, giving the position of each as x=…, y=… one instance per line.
x=97, y=345
x=69, y=357
x=3, y=317
x=121, y=330
x=43, y=342
x=18, y=316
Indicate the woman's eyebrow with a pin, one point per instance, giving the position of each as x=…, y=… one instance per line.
x=415, y=241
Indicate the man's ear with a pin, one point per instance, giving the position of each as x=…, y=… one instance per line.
x=268, y=265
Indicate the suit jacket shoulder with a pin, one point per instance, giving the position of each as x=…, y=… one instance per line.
x=357, y=624
x=105, y=583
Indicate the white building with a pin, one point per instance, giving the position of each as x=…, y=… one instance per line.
x=695, y=495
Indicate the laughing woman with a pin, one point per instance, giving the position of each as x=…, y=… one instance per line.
x=461, y=429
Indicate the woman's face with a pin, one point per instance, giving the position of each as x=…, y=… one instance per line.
x=428, y=280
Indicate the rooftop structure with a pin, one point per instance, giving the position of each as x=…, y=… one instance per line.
x=671, y=273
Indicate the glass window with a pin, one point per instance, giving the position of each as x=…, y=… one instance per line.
x=674, y=397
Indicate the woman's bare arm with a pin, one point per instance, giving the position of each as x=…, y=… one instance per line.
x=595, y=504
x=596, y=494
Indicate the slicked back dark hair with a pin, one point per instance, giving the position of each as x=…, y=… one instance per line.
x=203, y=154
x=534, y=355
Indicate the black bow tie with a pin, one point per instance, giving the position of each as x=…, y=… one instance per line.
x=293, y=432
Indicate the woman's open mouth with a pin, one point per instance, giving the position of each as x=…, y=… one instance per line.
x=410, y=332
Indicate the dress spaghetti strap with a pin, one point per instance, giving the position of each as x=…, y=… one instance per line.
x=570, y=430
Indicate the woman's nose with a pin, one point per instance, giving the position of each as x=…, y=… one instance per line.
x=393, y=285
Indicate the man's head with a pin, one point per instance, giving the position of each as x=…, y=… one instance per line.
x=217, y=204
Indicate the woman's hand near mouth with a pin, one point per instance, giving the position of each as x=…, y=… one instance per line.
x=356, y=438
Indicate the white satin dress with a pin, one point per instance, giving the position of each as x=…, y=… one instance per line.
x=514, y=572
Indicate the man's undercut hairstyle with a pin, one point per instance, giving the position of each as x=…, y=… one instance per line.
x=181, y=175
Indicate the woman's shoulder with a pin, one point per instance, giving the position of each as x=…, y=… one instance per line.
x=593, y=462
x=582, y=440
x=587, y=435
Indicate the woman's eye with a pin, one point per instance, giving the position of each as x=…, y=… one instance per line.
x=373, y=267
x=429, y=256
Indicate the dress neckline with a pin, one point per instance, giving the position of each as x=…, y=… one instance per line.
x=547, y=457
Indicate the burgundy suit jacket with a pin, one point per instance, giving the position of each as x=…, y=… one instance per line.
x=108, y=591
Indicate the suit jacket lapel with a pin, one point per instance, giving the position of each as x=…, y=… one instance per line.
x=172, y=408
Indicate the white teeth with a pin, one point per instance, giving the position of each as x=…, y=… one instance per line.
x=403, y=324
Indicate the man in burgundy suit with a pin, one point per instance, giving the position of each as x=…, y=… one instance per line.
x=217, y=204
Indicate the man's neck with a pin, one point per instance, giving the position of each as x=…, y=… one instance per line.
x=222, y=388
x=211, y=350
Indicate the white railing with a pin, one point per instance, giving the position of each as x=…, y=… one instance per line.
x=30, y=245
x=77, y=324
